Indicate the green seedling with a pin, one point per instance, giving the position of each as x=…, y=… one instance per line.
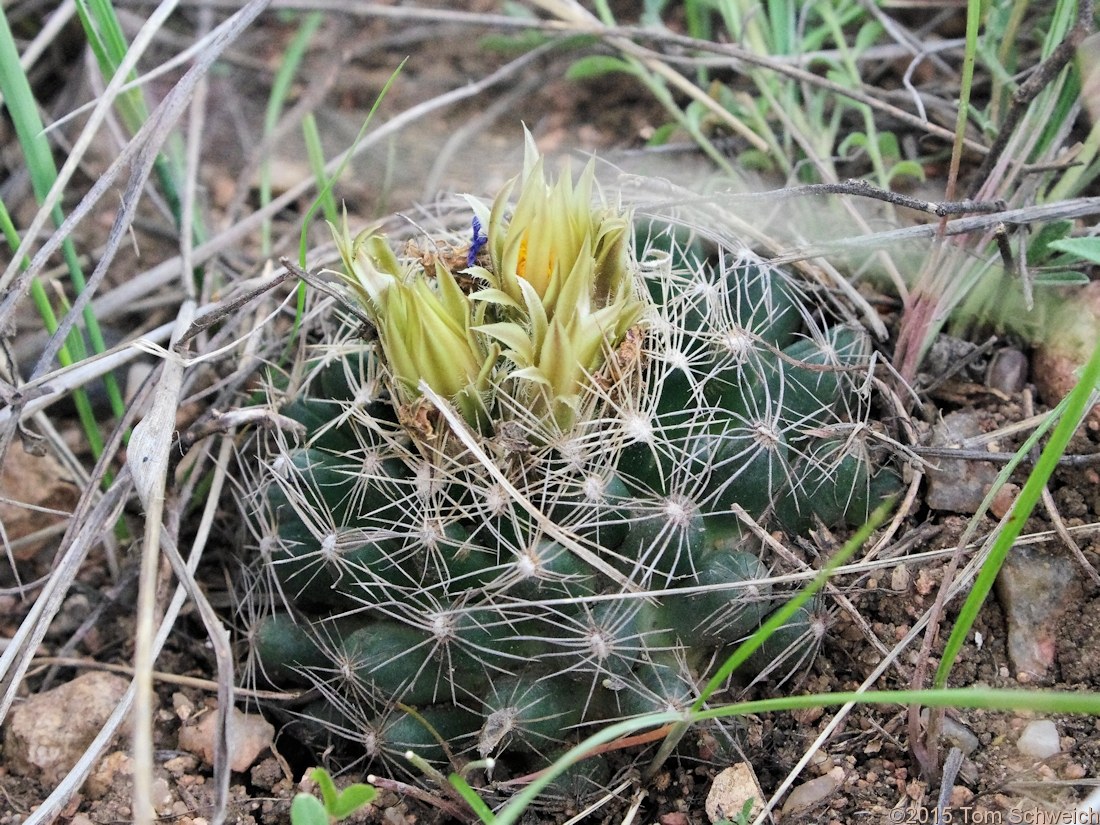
x=333, y=805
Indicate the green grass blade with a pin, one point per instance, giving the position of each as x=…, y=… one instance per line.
x=23, y=109
x=280, y=88
x=1039, y=701
x=470, y=797
x=973, y=26
x=326, y=189
x=325, y=194
x=316, y=153
x=109, y=46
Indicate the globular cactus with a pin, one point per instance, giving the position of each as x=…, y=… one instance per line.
x=516, y=507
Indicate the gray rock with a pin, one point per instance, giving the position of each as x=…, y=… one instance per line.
x=955, y=485
x=959, y=735
x=1007, y=371
x=1035, y=588
x=49, y=732
x=954, y=733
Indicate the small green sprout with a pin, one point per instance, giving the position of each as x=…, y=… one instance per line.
x=743, y=817
x=333, y=805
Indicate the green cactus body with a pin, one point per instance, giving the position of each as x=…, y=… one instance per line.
x=714, y=613
x=790, y=647
x=428, y=732
x=534, y=524
x=663, y=681
x=286, y=649
x=579, y=782
x=527, y=714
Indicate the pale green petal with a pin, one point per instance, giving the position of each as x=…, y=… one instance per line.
x=496, y=296
x=533, y=374
x=536, y=314
x=496, y=227
x=512, y=336
x=452, y=299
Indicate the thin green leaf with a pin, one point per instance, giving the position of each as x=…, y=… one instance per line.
x=23, y=109
x=109, y=45
x=1087, y=249
x=855, y=140
x=1038, y=248
x=1059, y=278
x=469, y=795
x=661, y=135
x=280, y=88
x=906, y=169
x=327, y=787
x=598, y=65
x=316, y=154
x=323, y=195
x=326, y=190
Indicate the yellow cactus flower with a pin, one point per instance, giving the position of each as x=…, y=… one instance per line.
x=555, y=239
x=424, y=324
x=559, y=277
x=558, y=297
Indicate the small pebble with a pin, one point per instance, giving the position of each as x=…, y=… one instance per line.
x=958, y=485
x=249, y=736
x=1003, y=499
x=1035, y=589
x=810, y=793
x=1007, y=371
x=822, y=762
x=112, y=771
x=959, y=735
x=183, y=706
x=1039, y=740
x=178, y=765
x=46, y=734
x=731, y=789
x=961, y=796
